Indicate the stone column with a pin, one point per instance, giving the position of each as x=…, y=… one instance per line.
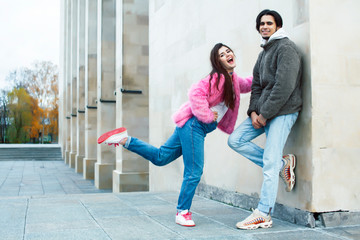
x=62, y=71
x=105, y=94
x=132, y=171
x=90, y=89
x=67, y=95
x=80, y=103
x=73, y=97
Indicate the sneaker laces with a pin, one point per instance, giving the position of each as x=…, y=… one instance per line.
x=187, y=215
x=250, y=217
x=253, y=219
x=287, y=173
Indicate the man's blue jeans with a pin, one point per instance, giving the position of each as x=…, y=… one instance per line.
x=277, y=131
x=187, y=141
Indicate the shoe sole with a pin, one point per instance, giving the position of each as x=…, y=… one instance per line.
x=256, y=226
x=109, y=134
x=292, y=160
x=186, y=225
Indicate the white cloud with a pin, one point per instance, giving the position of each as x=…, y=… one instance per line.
x=29, y=32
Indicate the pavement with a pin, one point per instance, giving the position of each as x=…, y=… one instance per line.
x=48, y=200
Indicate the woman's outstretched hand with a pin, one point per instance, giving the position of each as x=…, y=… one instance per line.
x=215, y=116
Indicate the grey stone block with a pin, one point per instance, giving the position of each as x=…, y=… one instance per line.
x=294, y=215
x=335, y=219
x=231, y=198
x=244, y=201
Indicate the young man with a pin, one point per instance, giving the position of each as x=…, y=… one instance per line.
x=274, y=107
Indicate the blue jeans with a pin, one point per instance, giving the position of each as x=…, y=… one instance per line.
x=277, y=131
x=187, y=141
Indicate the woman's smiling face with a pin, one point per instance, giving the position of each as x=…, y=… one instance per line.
x=227, y=59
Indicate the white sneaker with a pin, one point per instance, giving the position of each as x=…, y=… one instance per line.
x=287, y=172
x=255, y=220
x=183, y=218
x=113, y=137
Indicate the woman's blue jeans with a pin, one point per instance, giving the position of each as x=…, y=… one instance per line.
x=277, y=131
x=187, y=141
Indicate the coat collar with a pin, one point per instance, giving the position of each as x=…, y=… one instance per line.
x=279, y=34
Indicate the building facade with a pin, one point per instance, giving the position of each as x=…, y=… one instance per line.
x=130, y=63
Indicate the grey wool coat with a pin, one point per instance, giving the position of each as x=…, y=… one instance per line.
x=276, y=87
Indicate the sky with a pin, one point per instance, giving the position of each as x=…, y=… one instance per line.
x=29, y=32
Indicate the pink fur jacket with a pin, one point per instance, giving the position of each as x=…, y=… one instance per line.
x=201, y=100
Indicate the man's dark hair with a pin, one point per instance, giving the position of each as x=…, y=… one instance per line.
x=276, y=15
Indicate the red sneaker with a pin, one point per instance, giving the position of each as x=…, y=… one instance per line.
x=113, y=136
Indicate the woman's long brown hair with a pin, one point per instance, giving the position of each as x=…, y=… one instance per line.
x=228, y=92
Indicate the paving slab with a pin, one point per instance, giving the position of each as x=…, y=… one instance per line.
x=33, y=178
x=54, y=202
x=142, y=215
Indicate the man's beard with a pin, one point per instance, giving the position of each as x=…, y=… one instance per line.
x=266, y=38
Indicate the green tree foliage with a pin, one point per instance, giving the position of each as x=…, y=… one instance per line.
x=20, y=115
x=35, y=128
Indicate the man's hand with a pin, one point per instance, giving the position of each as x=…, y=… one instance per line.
x=258, y=121
x=254, y=120
x=262, y=120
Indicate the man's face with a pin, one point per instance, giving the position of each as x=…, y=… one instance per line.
x=267, y=26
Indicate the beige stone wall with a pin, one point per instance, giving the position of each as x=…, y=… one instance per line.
x=182, y=34
x=179, y=56
x=335, y=69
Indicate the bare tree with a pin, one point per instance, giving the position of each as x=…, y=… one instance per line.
x=42, y=83
x=19, y=78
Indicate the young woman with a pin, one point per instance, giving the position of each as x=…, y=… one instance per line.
x=213, y=102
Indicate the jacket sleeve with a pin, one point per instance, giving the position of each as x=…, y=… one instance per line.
x=199, y=104
x=288, y=67
x=255, y=87
x=245, y=84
